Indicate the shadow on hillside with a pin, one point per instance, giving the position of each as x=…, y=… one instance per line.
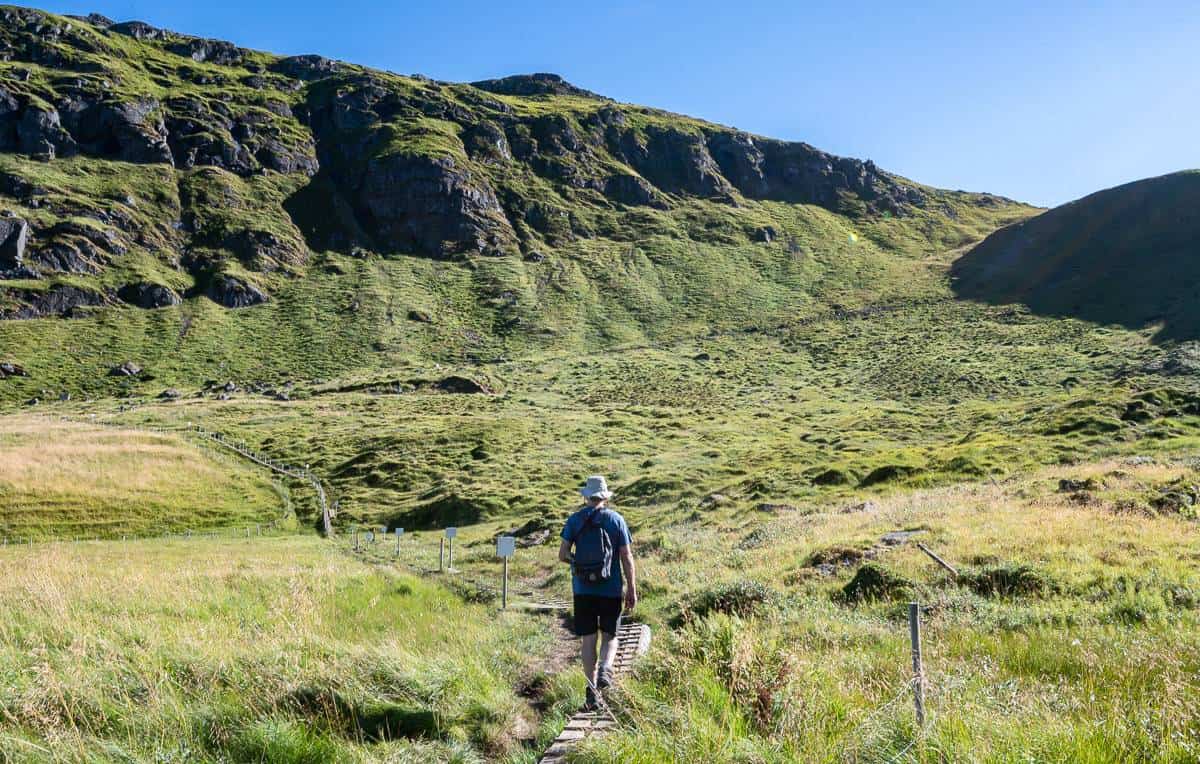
x=450, y=510
x=1128, y=256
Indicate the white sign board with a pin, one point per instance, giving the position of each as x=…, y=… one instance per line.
x=382, y=529
x=506, y=546
x=399, y=531
x=451, y=532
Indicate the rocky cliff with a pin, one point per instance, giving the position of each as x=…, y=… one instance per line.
x=143, y=166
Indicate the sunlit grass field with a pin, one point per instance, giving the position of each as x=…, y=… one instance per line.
x=63, y=479
x=282, y=649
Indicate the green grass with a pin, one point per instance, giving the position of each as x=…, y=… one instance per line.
x=281, y=649
x=60, y=479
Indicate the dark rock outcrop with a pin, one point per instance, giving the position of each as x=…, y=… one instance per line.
x=140, y=30
x=265, y=251
x=212, y=51
x=796, y=172
x=233, y=292
x=40, y=133
x=766, y=234
x=630, y=189
x=539, y=83
x=677, y=161
x=148, y=295
x=462, y=385
x=73, y=247
x=12, y=370
x=14, y=236
x=433, y=205
x=132, y=131
x=125, y=369
x=10, y=110
x=60, y=300
x=306, y=67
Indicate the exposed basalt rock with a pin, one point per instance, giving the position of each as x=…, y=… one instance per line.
x=264, y=251
x=40, y=132
x=630, y=189
x=10, y=109
x=487, y=142
x=232, y=292
x=433, y=206
x=796, y=172
x=96, y=19
x=72, y=247
x=140, y=30
x=147, y=295
x=212, y=51
x=307, y=67
x=540, y=83
x=60, y=300
x=125, y=369
x=677, y=161
x=14, y=236
x=766, y=234
x=131, y=131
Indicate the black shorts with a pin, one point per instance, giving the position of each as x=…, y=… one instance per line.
x=592, y=612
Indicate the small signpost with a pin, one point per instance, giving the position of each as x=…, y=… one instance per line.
x=399, y=533
x=450, y=534
x=506, y=547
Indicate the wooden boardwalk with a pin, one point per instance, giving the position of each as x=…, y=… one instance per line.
x=633, y=640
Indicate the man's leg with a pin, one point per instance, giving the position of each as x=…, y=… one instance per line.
x=610, y=621
x=608, y=652
x=587, y=653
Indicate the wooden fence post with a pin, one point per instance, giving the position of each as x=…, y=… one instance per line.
x=914, y=633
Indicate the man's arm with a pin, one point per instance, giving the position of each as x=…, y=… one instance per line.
x=630, y=572
x=564, y=551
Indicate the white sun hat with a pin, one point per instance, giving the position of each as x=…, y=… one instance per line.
x=596, y=486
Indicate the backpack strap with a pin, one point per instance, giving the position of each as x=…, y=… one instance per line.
x=586, y=522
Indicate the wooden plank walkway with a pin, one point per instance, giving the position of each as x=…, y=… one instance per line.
x=633, y=640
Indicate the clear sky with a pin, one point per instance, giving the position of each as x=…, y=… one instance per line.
x=1041, y=101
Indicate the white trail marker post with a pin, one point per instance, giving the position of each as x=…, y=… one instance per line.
x=399, y=533
x=450, y=534
x=506, y=547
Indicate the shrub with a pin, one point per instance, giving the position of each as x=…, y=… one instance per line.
x=873, y=582
x=743, y=598
x=1008, y=580
x=889, y=473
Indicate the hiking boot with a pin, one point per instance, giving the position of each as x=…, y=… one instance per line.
x=604, y=680
x=590, y=703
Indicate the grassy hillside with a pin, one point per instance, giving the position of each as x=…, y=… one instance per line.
x=1126, y=256
x=211, y=212
x=63, y=479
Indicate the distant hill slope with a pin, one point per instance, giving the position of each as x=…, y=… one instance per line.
x=1129, y=255
x=148, y=177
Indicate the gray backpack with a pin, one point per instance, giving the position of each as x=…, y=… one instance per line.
x=593, y=551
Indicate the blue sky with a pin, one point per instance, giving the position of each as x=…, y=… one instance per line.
x=1040, y=101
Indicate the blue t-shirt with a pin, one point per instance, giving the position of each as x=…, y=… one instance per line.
x=618, y=532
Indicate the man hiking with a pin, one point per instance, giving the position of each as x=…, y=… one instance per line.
x=601, y=563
